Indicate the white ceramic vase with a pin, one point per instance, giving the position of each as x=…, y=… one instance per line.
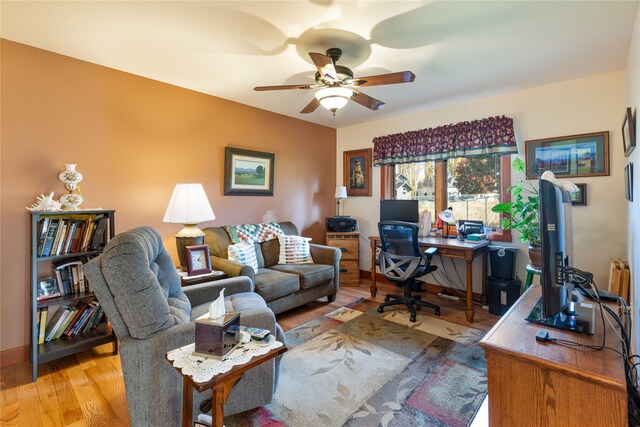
x=71, y=201
x=70, y=177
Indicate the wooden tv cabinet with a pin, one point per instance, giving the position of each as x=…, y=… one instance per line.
x=545, y=384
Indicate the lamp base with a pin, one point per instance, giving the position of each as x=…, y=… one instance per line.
x=181, y=243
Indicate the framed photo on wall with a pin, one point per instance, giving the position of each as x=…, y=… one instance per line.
x=248, y=173
x=628, y=181
x=568, y=156
x=198, y=260
x=580, y=198
x=357, y=172
x=628, y=132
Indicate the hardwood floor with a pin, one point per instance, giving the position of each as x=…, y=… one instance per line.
x=87, y=389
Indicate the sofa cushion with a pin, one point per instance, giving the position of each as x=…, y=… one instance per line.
x=270, y=252
x=244, y=253
x=294, y=250
x=271, y=284
x=310, y=274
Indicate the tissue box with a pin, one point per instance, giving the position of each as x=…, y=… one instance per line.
x=217, y=338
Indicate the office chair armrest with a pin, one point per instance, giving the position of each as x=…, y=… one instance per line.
x=429, y=253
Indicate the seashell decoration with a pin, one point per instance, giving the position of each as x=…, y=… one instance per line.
x=45, y=203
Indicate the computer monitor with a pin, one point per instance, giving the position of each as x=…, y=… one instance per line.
x=399, y=210
x=556, y=307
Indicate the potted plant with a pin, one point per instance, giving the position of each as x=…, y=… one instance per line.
x=521, y=214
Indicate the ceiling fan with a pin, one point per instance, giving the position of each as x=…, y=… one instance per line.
x=338, y=84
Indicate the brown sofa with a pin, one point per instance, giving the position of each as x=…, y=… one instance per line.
x=283, y=286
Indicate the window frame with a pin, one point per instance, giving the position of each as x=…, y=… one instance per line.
x=387, y=191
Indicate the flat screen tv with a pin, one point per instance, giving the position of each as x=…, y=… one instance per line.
x=399, y=210
x=556, y=307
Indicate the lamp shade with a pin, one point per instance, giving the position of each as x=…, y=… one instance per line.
x=447, y=216
x=341, y=192
x=333, y=98
x=188, y=205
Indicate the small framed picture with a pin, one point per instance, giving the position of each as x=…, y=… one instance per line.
x=357, y=172
x=198, y=260
x=628, y=132
x=580, y=198
x=628, y=181
x=47, y=288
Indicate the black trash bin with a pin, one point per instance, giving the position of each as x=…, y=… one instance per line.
x=503, y=293
x=503, y=262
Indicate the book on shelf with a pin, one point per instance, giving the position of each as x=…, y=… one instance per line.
x=96, y=319
x=42, y=315
x=95, y=313
x=69, y=315
x=69, y=275
x=50, y=236
x=55, y=323
x=79, y=309
x=42, y=234
x=71, y=234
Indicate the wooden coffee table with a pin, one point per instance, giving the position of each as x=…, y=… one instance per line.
x=220, y=386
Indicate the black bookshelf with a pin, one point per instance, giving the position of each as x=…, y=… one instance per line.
x=65, y=346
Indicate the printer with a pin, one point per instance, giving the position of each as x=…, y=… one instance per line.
x=341, y=224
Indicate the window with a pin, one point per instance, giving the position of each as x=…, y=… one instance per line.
x=470, y=186
x=473, y=188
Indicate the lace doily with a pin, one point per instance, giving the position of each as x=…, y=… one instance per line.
x=202, y=369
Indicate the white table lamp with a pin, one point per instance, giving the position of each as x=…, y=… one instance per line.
x=189, y=206
x=446, y=216
x=341, y=193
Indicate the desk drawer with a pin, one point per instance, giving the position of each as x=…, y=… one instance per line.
x=349, y=247
x=349, y=272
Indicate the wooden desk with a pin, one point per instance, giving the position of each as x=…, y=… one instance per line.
x=544, y=384
x=220, y=385
x=450, y=248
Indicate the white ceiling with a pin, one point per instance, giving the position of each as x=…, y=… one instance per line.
x=456, y=49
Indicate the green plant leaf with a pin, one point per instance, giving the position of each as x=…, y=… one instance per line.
x=518, y=165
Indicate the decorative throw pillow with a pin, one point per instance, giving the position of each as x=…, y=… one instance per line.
x=294, y=250
x=244, y=253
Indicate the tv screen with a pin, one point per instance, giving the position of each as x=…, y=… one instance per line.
x=556, y=246
x=399, y=210
x=555, y=308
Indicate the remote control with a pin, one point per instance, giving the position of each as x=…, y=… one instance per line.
x=257, y=333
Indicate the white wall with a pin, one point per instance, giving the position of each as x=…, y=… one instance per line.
x=590, y=104
x=633, y=209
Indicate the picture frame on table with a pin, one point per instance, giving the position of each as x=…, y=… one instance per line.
x=47, y=288
x=628, y=181
x=248, y=172
x=568, y=156
x=198, y=260
x=580, y=198
x=628, y=132
x=357, y=172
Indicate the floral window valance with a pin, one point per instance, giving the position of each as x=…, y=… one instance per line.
x=490, y=136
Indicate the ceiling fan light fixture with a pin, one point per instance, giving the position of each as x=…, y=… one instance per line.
x=333, y=98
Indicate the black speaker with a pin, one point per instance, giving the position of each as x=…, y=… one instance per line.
x=503, y=293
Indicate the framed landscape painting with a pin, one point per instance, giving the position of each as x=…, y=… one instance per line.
x=568, y=156
x=248, y=173
x=357, y=172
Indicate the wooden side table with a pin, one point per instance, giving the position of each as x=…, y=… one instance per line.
x=220, y=385
x=349, y=244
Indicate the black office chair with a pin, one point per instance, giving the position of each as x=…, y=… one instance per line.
x=401, y=261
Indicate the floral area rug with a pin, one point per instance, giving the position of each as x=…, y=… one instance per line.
x=357, y=367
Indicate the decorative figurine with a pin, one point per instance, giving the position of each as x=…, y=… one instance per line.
x=45, y=203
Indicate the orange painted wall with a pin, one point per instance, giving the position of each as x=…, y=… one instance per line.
x=133, y=139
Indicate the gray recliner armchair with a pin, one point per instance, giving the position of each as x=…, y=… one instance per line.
x=137, y=285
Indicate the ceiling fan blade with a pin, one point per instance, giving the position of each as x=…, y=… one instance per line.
x=311, y=107
x=366, y=100
x=283, y=87
x=384, y=79
x=325, y=67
